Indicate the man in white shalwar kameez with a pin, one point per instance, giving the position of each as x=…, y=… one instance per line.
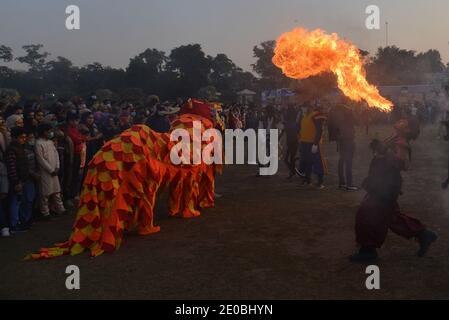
x=48, y=163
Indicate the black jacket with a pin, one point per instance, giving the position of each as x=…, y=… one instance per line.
x=17, y=164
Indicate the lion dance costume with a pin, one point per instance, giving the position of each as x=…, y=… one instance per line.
x=123, y=181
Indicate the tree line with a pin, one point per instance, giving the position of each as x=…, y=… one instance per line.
x=187, y=71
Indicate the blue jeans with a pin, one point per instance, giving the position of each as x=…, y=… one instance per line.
x=311, y=162
x=21, y=205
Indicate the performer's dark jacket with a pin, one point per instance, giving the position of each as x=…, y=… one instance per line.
x=379, y=211
x=158, y=123
x=384, y=180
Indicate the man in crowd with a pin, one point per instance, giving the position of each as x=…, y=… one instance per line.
x=78, y=141
x=291, y=129
x=22, y=190
x=158, y=120
x=39, y=116
x=11, y=121
x=342, y=129
x=48, y=164
x=311, y=132
x=124, y=121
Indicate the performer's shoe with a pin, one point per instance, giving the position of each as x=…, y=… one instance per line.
x=425, y=239
x=320, y=186
x=352, y=188
x=342, y=187
x=365, y=255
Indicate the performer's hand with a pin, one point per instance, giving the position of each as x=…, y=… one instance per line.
x=314, y=149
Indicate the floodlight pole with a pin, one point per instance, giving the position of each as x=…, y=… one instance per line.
x=386, y=33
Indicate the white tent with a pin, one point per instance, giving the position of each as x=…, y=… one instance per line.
x=246, y=96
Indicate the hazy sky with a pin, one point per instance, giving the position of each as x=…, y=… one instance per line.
x=112, y=31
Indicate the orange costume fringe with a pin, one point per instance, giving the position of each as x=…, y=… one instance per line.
x=120, y=189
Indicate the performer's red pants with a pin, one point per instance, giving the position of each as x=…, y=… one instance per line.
x=374, y=218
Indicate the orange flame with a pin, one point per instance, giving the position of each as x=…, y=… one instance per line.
x=301, y=53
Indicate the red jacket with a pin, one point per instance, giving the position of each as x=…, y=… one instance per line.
x=77, y=138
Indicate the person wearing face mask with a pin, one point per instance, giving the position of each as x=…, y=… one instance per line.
x=140, y=116
x=12, y=119
x=48, y=168
x=22, y=191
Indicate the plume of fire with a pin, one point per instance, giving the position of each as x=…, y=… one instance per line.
x=301, y=54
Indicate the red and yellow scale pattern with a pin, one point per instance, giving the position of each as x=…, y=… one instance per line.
x=122, y=184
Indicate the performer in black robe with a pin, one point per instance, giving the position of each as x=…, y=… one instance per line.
x=379, y=211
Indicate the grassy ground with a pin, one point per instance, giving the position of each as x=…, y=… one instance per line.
x=267, y=238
